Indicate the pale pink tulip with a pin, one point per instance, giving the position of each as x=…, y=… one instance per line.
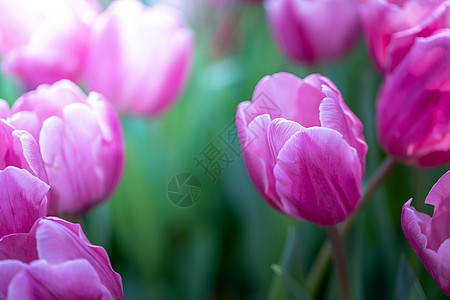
x=139, y=57
x=80, y=140
x=45, y=41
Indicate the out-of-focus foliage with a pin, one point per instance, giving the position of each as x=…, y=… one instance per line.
x=224, y=246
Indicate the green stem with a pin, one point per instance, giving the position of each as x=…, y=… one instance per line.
x=322, y=261
x=339, y=261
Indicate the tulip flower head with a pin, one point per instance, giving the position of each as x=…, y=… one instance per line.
x=80, y=140
x=430, y=236
x=413, y=108
x=139, y=57
x=313, y=31
x=45, y=41
x=303, y=147
x=391, y=26
x=55, y=260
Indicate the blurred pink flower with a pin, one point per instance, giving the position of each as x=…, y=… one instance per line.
x=413, y=109
x=313, y=31
x=45, y=41
x=430, y=237
x=81, y=143
x=55, y=260
x=391, y=26
x=303, y=147
x=23, y=181
x=139, y=56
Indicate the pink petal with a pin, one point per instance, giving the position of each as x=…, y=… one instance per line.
x=22, y=200
x=8, y=269
x=318, y=176
x=74, y=279
x=4, y=109
x=420, y=130
x=59, y=241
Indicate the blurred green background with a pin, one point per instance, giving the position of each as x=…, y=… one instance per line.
x=223, y=246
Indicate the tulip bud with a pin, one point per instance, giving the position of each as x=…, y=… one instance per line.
x=413, y=109
x=391, y=27
x=45, y=41
x=313, y=31
x=303, y=147
x=23, y=181
x=55, y=260
x=139, y=57
x=430, y=236
x=80, y=140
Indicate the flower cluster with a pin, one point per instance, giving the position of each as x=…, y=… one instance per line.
x=62, y=151
x=306, y=157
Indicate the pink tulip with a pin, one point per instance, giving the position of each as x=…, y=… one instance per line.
x=313, y=31
x=391, y=26
x=81, y=143
x=413, y=109
x=139, y=57
x=45, y=41
x=23, y=187
x=303, y=147
x=430, y=237
x=55, y=260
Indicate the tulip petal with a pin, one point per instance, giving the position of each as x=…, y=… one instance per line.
x=22, y=200
x=318, y=176
x=74, y=279
x=4, y=109
x=19, y=246
x=8, y=269
x=59, y=241
x=418, y=131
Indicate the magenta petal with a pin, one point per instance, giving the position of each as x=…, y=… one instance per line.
x=8, y=269
x=277, y=96
x=59, y=241
x=4, y=109
x=26, y=145
x=74, y=279
x=318, y=176
x=430, y=237
x=333, y=116
x=413, y=108
x=19, y=246
x=22, y=200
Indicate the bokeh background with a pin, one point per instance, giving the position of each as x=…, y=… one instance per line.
x=223, y=247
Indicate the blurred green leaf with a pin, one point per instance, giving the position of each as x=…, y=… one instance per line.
x=298, y=292
x=407, y=285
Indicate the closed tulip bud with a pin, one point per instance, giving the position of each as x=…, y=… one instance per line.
x=430, y=236
x=45, y=41
x=139, y=57
x=23, y=181
x=55, y=260
x=303, y=147
x=80, y=140
x=413, y=109
x=313, y=31
x=391, y=27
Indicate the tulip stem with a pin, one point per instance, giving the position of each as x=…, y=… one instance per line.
x=339, y=261
x=322, y=260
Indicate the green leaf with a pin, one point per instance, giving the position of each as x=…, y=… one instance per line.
x=407, y=286
x=297, y=291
